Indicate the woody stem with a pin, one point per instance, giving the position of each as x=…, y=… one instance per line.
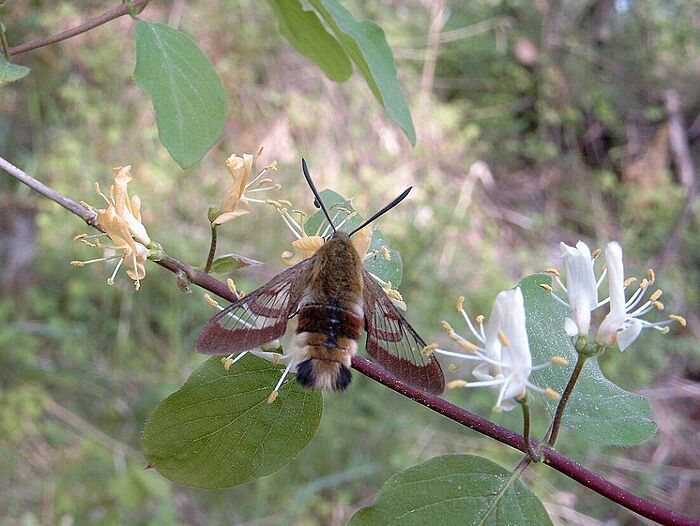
x=124, y=8
x=549, y=456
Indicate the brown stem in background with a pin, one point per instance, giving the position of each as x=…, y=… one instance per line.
x=550, y=456
x=125, y=8
x=682, y=158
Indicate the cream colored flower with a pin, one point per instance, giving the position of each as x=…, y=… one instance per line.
x=304, y=248
x=236, y=202
x=121, y=221
x=129, y=208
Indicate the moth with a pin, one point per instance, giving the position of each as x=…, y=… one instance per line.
x=332, y=299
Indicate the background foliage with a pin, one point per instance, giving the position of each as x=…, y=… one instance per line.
x=535, y=123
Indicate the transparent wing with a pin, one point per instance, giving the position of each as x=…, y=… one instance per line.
x=259, y=317
x=394, y=344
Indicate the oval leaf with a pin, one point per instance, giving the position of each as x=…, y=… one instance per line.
x=218, y=430
x=305, y=32
x=188, y=98
x=454, y=490
x=366, y=45
x=10, y=72
x=598, y=409
x=230, y=262
x=385, y=268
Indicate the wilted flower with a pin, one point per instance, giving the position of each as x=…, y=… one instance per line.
x=128, y=208
x=623, y=322
x=121, y=221
x=238, y=196
x=502, y=350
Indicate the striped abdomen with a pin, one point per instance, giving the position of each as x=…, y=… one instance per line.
x=327, y=337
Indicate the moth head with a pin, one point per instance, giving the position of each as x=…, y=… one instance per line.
x=336, y=233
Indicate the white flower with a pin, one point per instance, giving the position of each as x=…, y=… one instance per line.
x=581, y=287
x=504, y=352
x=623, y=322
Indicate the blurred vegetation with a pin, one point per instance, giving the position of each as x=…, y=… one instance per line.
x=537, y=123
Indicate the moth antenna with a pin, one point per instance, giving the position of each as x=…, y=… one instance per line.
x=305, y=169
x=384, y=210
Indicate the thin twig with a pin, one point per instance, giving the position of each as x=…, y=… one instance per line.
x=553, y=432
x=3, y=41
x=86, y=428
x=124, y=8
x=212, y=250
x=551, y=457
x=526, y=429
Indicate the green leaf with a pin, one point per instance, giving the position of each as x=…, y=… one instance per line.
x=218, y=430
x=306, y=33
x=188, y=98
x=454, y=490
x=338, y=207
x=10, y=72
x=598, y=409
x=230, y=262
x=366, y=45
x=384, y=262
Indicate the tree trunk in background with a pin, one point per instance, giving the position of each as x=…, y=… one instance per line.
x=17, y=244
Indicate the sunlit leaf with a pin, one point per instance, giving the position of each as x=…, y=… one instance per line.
x=218, y=430
x=454, y=490
x=598, y=409
x=366, y=45
x=10, y=72
x=230, y=262
x=306, y=33
x=188, y=98
x=387, y=269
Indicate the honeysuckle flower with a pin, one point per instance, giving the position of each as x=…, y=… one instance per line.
x=121, y=221
x=304, y=248
x=238, y=196
x=623, y=323
x=503, y=351
x=128, y=207
x=581, y=287
x=306, y=245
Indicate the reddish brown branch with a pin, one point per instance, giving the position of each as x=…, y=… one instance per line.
x=123, y=9
x=551, y=457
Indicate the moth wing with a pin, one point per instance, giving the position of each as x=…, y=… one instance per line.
x=259, y=317
x=394, y=344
